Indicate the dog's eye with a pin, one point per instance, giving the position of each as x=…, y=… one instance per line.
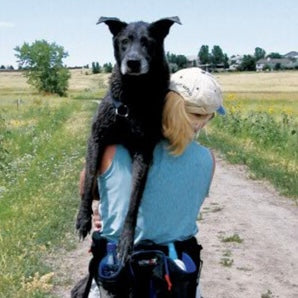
x=144, y=41
x=125, y=41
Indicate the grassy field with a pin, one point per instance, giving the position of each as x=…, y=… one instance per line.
x=261, y=126
x=42, y=149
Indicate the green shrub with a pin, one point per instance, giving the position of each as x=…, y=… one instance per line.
x=42, y=65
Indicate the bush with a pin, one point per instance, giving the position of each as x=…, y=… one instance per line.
x=266, y=67
x=42, y=63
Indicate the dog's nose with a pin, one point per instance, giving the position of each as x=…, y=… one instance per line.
x=134, y=66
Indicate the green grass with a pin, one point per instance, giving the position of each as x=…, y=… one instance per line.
x=226, y=262
x=42, y=150
x=39, y=197
x=263, y=137
x=268, y=294
x=234, y=238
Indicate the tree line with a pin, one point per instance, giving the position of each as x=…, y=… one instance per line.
x=216, y=58
x=97, y=68
x=43, y=66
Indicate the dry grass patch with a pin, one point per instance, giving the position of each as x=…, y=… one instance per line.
x=259, y=82
x=81, y=81
x=13, y=80
x=16, y=123
x=13, y=85
x=77, y=123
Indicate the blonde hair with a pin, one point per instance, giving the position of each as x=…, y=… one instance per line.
x=176, y=123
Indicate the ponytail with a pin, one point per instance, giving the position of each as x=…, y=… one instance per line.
x=176, y=123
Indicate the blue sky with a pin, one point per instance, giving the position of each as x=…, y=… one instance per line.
x=237, y=26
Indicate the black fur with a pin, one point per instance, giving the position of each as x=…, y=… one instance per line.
x=139, y=82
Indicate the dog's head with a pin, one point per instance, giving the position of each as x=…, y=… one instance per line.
x=137, y=44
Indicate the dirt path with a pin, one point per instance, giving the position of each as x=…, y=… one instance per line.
x=264, y=264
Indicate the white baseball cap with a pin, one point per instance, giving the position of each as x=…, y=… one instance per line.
x=200, y=90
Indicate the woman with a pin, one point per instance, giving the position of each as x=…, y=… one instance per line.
x=179, y=177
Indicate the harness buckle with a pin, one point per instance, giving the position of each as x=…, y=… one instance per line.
x=122, y=111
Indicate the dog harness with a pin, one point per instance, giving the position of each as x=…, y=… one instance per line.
x=121, y=109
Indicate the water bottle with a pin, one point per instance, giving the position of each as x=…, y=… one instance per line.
x=111, y=253
x=111, y=264
x=173, y=255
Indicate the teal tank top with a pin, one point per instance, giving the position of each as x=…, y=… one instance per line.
x=175, y=190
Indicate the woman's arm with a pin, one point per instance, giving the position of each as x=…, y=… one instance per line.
x=214, y=164
x=107, y=159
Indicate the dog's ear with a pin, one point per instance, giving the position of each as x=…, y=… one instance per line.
x=162, y=27
x=115, y=25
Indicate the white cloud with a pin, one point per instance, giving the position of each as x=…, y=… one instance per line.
x=6, y=25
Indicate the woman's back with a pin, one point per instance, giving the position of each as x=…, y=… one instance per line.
x=175, y=190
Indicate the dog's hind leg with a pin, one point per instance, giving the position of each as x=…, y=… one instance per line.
x=140, y=167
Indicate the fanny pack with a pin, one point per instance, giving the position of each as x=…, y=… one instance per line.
x=149, y=273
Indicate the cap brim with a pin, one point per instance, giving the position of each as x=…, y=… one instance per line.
x=221, y=111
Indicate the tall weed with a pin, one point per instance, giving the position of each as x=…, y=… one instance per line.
x=266, y=141
x=3, y=133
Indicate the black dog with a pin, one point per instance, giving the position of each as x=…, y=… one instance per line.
x=130, y=114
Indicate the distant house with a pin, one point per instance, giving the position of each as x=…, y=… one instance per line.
x=235, y=62
x=193, y=61
x=274, y=64
x=291, y=55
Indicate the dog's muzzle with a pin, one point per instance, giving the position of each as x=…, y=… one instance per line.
x=134, y=66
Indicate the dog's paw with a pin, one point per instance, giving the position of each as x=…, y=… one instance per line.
x=125, y=246
x=83, y=225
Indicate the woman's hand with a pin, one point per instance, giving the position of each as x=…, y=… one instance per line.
x=96, y=220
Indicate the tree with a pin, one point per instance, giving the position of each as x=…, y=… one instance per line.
x=226, y=61
x=266, y=67
x=217, y=55
x=204, y=55
x=96, y=68
x=277, y=66
x=259, y=53
x=274, y=56
x=107, y=67
x=176, y=61
x=248, y=63
x=181, y=61
x=42, y=65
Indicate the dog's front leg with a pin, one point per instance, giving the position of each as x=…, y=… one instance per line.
x=101, y=128
x=140, y=168
x=84, y=216
x=96, y=145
